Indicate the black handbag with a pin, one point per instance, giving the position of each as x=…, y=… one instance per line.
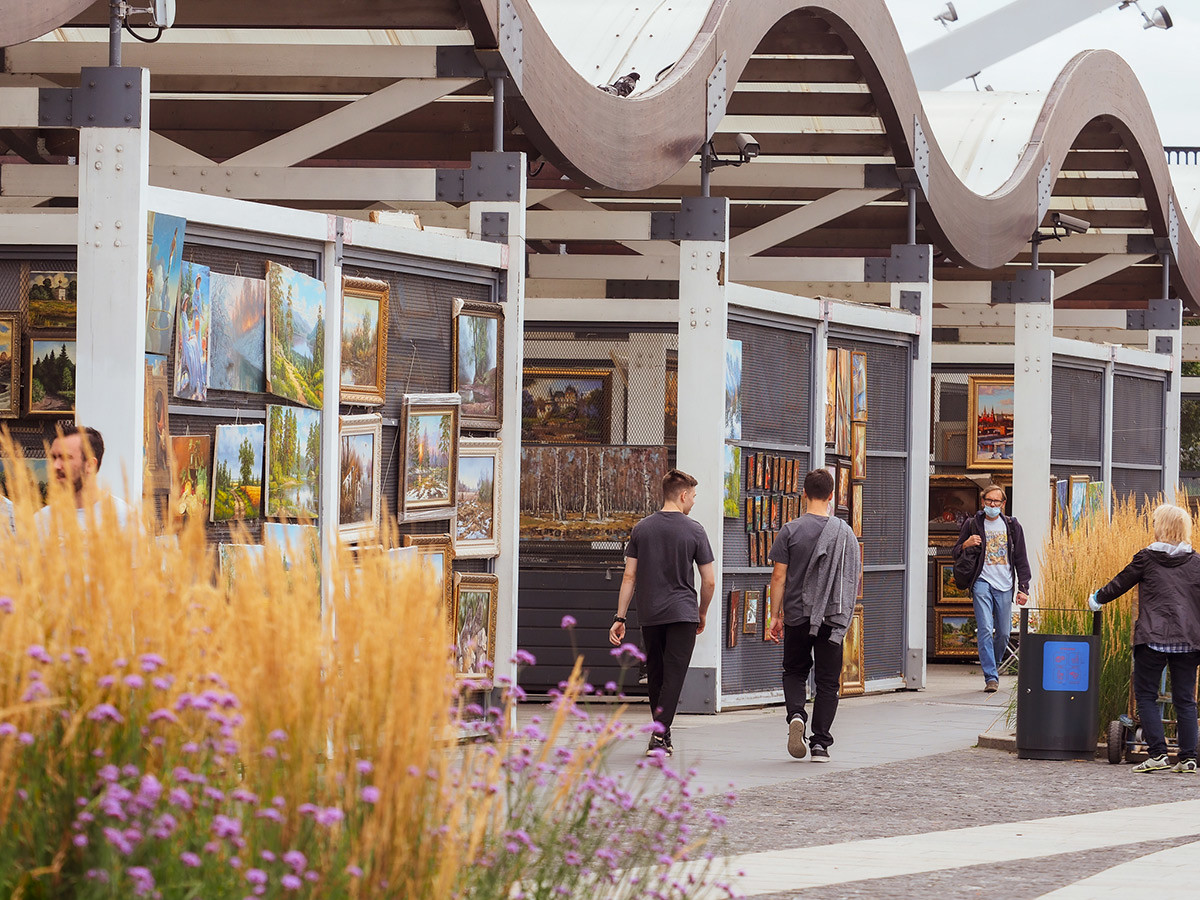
x=966, y=562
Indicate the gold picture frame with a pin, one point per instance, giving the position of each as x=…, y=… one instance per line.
x=477, y=522
x=10, y=347
x=355, y=457
x=476, y=600
x=856, y=508
x=990, y=402
x=438, y=551
x=50, y=355
x=479, y=413
x=853, y=677
x=429, y=465
x=364, y=294
x=954, y=633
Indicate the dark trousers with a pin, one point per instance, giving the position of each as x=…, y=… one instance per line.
x=668, y=655
x=801, y=651
x=1148, y=665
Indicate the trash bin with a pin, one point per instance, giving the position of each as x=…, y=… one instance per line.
x=1058, y=693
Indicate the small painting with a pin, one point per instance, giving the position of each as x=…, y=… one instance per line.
x=950, y=506
x=360, y=443
x=476, y=526
x=237, y=472
x=191, y=468
x=478, y=345
x=164, y=273
x=733, y=390
x=858, y=451
x=750, y=616
x=842, y=446
x=858, y=386
x=437, y=552
x=565, y=406
x=429, y=449
x=767, y=609
x=733, y=482
x=294, y=542
x=53, y=299
x=947, y=590
x=831, y=386
x=1095, y=502
x=10, y=366
x=990, y=422
x=192, y=334
x=156, y=431
x=843, y=486
x=295, y=336
x=38, y=473
x=954, y=633
x=862, y=568
x=238, y=337
x=853, y=679
x=1079, y=485
x=239, y=561
x=50, y=373
x=293, y=462
x=476, y=598
x=734, y=617
x=856, y=508
x=1062, y=496
x=364, y=340
x=671, y=400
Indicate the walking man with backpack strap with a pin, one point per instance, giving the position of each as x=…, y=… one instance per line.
x=990, y=559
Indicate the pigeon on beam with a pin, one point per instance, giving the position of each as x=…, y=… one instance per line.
x=623, y=86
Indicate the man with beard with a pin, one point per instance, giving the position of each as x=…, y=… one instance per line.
x=75, y=458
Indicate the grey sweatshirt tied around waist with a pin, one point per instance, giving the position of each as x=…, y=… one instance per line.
x=830, y=586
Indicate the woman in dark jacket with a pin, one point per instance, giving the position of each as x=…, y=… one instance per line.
x=1167, y=634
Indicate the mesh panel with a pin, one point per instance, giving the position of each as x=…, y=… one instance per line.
x=1144, y=484
x=754, y=664
x=948, y=435
x=1137, y=420
x=1075, y=425
x=887, y=394
x=883, y=624
x=776, y=383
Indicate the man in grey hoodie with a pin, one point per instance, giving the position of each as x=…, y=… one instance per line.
x=814, y=586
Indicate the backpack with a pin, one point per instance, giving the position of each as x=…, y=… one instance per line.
x=967, y=562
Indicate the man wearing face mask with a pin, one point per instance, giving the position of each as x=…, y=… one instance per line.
x=1001, y=565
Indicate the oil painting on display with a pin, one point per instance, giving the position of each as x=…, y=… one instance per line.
x=842, y=442
x=734, y=617
x=947, y=590
x=436, y=551
x=192, y=334
x=156, y=432
x=990, y=422
x=831, y=386
x=1062, y=504
x=750, y=615
x=858, y=386
x=10, y=367
x=565, y=406
x=733, y=481
x=1079, y=488
x=13, y=469
x=293, y=462
x=51, y=377
x=364, y=340
x=475, y=602
x=164, y=271
x=293, y=542
x=359, y=490
x=239, y=311
x=853, y=678
x=1095, y=501
x=951, y=506
x=858, y=450
x=429, y=448
x=53, y=299
x=295, y=348
x=587, y=493
x=733, y=390
x=477, y=348
x=191, y=467
x=237, y=472
x=475, y=523
x=955, y=633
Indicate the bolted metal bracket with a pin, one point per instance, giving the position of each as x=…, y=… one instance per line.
x=908, y=263
x=910, y=302
x=512, y=41
x=1045, y=189
x=1164, y=344
x=107, y=97
x=492, y=177
x=459, y=61
x=1030, y=286
x=698, y=219
x=921, y=156
x=716, y=97
x=878, y=175
x=493, y=226
x=1173, y=226
x=1159, y=315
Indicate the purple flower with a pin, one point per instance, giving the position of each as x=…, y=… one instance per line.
x=151, y=662
x=96, y=875
x=364, y=767
x=80, y=840
x=256, y=876
x=162, y=682
x=190, y=859
x=164, y=715
x=269, y=812
x=629, y=650
x=181, y=798
x=134, y=681
x=7, y=729
x=567, y=622
x=83, y=653
x=106, y=681
x=278, y=735
x=38, y=652
x=143, y=881
x=268, y=855
x=149, y=790
x=120, y=662
x=291, y=883
x=369, y=794
x=295, y=860
x=354, y=871
x=329, y=816
x=226, y=827
x=25, y=738
x=241, y=795
x=36, y=691
x=6, y=604
x=525, y=658
x=109, y=773
x=117, y=839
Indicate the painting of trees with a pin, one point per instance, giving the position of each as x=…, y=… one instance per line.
x=51, y=377
x=293, y=461
x=477, y=362
x=237, y=473
x=295, y=351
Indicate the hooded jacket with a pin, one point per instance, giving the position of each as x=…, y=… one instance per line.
x=1018, y=559
x=1168, y=597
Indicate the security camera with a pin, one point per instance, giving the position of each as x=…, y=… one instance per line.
x=1069, y=224
x=747, y=146
x=947, y=15
x=162, y=14
x=1160, y=18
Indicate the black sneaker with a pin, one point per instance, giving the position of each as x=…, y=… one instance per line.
x=659, y=743
x=819, y=753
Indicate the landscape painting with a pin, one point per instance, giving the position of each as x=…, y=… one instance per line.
x=858, y=386
x=588, y=493
x=990, y=422
x=36, y=470
x=293, y=542
x=477, y=347
x=359, y=494
x=237, y=472
x=733, y=390
x=295, y=333
x=10, y=367
x=429, y=448
x=53, y=299
x=842, y=438
x=476, y=532
x=191, y=465
x=475, y=603
x=364, y=340
x=293, y=462
x=565, y=406
x=51, y=378
x=733, y=482
x=164, y=270
x=831, y=386
x=955, y=633
x=192, y=334
x=239, y=312
x=156, y=431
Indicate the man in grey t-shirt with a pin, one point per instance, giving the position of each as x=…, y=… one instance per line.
x=658, y=564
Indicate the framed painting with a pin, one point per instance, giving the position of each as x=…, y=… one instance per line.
x=565, y=406
x=950, y=506
x=240, y=560
x=191, y=476
x=733, y=390
x=429, y=455
x=856, y=508
x=192, y=334
x=1095, y=502
x=294, y=542
x=164, y=274
x=671, y=398
x=51, y=298
x=862, y=568
x=842, y=443
x=946, y=591
x=1078, y=498
x=858, y=448
x=954, y=633
x=10, y=366
x=990, y=422
x=476, y=599
x=478, y=363
x=237, y=473
x=1062, y=504
x=734, y=616
x=858, y=386
x=50, y=377
x=853, y=678
x=293, y=462
x=843, y=486
x=238, y=335
x=732, y=503
x=360, y=476
x=364, y=340
x=831, y=386
x=767, y=610
x=437, y=552
x=476, y=525
x=750, y=613
x=37, y=471
x=295, y=336
x=156, y=432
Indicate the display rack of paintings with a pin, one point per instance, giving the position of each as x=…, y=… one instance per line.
x=990, y=422
x=295, y=336
x=954, y=632
x=237, y=472
x=360, y=474
x=364, y=340
x=50, y=377
x=479, y=363
x=750, y=613
x=429, y=455
x=437, y=552
x=476, y=598
x=164, y=275
x=735, y=616
x=10, y=366
x=156, y=432
x=772, y=498
x=193, y=333
x=853, y=678
x=191, y=476
x=238, y=335
x=477, y=524
x=565, y=405
x=51, y=298
x=293, y=462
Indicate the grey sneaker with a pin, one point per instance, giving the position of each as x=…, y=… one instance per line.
x=991, y=687
x=1154, y=764
x=796, y=745
x=1185, y=767
x=819, y=754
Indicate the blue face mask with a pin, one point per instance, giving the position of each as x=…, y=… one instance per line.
x=991, y=511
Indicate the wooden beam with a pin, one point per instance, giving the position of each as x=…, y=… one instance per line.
x=805, y=218
x=18, y=107
x=1097, y=270
x=589, y=225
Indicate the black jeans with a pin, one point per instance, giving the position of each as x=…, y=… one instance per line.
x=801, y=651
x=668, y=654
x=1148, y=665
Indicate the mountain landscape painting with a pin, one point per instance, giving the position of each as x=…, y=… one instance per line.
x=295, y=335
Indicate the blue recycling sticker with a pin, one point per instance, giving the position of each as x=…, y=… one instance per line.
x=1065, y=665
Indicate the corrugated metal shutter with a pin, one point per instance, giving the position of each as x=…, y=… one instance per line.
x=1138, y=417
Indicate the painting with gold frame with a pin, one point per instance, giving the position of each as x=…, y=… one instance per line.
x=437, y=551
x=858, y=451
x=10, y=366
x=946, y=591
x=954, y=632
x=842, y=436
x=831, y=387
x=360, y=476
x=429, y=456
x=853, y=678
x=478, y=367
x=364, y=340
x=477, y=522
x=562, y=405
x=476, y=598
x=990, y=412
x=856, y=508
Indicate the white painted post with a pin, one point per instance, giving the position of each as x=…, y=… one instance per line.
x=703, y=328
x=330, y=444
x=110, y=375
x=817, y=414
x=1033, y=367
x=1172, y=403
x=1106, y=431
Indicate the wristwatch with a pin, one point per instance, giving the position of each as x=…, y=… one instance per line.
x=619, y=618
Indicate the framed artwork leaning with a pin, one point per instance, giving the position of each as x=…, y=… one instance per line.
x=476, y=598
x=954, y=632
x=360, y=476
x=478, y=363
x=853, y=678
x=364, y=340
x=429, y=456
x=946, y=591
x=476, y=525
x=437, y=552
x=10, y=366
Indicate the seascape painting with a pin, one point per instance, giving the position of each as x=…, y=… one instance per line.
x=477, y=363
x=53, y=299
x=295, y=336
x=191, y=458
x=51, y=378
x=237, y=473
x=164, y=270
x=293, y=462
x=565, y=406
x=192, y=334
x=238, y=338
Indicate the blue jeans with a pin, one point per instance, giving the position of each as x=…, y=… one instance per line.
x=993, y=624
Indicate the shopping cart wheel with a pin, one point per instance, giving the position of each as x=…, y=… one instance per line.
x=1116, y=741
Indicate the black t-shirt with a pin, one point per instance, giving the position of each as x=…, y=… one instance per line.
x=794, y=548
x=666, y=544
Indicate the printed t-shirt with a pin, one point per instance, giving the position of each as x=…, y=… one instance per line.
x=996, y=568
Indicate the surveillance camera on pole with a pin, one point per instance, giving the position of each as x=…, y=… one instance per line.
x=1069, y=224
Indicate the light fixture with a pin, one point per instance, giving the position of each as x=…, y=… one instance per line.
x=1160, y=18
x=947, y=15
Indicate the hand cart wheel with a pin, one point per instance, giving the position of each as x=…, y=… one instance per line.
x=1116, y=741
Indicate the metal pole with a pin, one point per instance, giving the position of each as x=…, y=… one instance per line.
x=704, y=169
x=912, y=216
x=1166, y=276
x=114, y=32
x=1034, y=259
x=498, y=113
